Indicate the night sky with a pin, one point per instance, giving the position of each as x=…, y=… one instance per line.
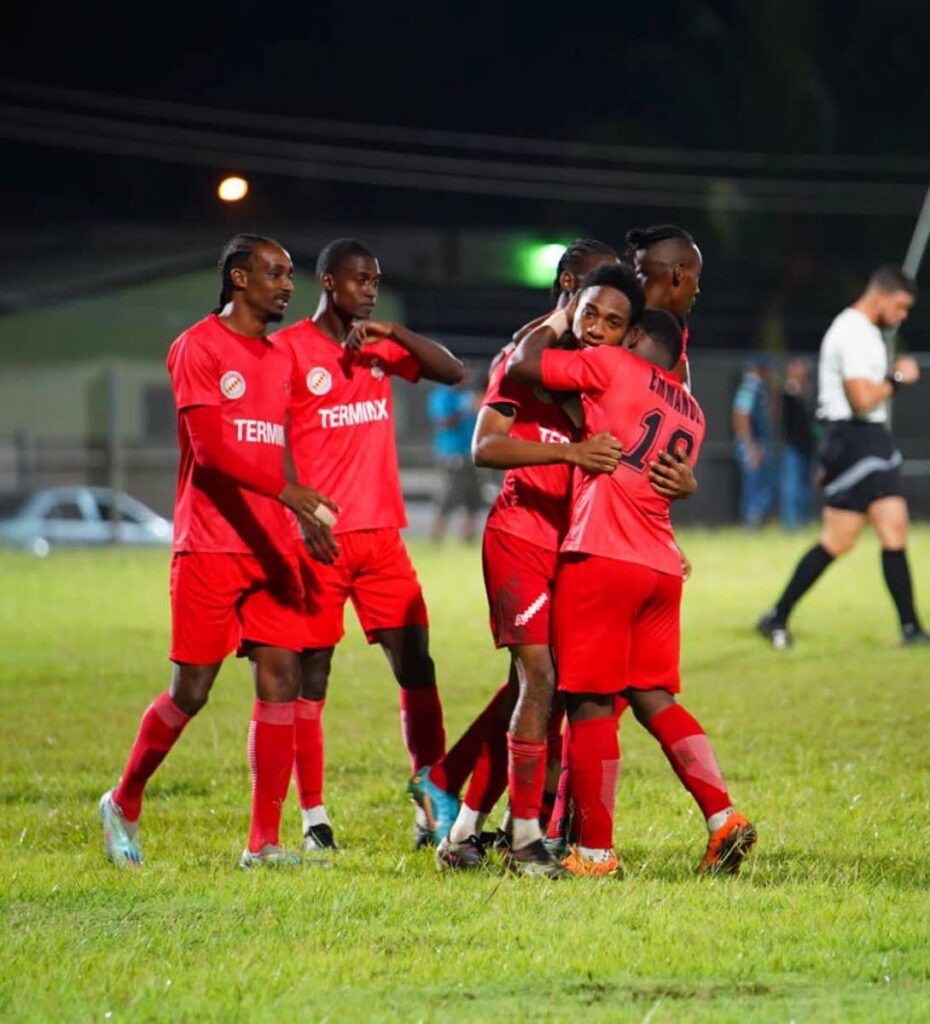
x=789, y=78
x=842, y=78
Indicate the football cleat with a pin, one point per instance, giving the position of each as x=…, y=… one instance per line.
x=497, y=840
x=535, y=861
x=269, y=856
x=467, y=856
x=913, y=636
x=775, y=631
x=441, y=808
x=577, y=864
x=728, y=847
x=121, y=838
x=557, y=846
x=319, y=843
x=422, y=836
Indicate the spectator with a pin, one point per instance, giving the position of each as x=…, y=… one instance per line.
x=752, y=427
x=452, y=412
x=797, y=424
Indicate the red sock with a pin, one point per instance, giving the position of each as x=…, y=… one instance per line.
x=557, y=822
x=271, y=758
x=692, y=757
x=489, y=779
x=594, y=766
x=309, y=752
x=161, y=725
x=421, y=723
x=526, y=776
x=451, y=771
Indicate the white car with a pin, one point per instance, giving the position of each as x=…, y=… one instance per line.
x=50, y=517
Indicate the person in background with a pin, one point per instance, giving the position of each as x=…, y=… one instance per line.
x=752, y=429
x=797, y=424
x=452, y=413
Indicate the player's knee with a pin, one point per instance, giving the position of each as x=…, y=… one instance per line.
x=314, y=674
x=278, y=683
x=190, y=687
x=416, y=671
x=837, y=544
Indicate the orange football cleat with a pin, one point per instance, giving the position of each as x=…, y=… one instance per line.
x=728, y=847
x=580, y=865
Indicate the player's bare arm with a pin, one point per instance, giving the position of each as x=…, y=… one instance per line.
x=436, y=361
x=864, y=395
x=494, y=448
x=521, y=332
x=672, y=476
x=526, y=362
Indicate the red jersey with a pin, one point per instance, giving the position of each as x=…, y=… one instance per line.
x=342, y=424
x=684, y=343
x=621, y=516
x=534, y=500
x=249, y=379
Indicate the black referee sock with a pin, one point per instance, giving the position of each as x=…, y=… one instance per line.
x=898, y=580
x=806, y=574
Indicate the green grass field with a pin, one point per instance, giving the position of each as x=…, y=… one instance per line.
x=825, y=748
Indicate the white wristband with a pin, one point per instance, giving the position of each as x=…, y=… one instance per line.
x=324, y=515
x=557, y=322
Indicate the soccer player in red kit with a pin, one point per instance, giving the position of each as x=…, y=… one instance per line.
x=616, y=611
x=669, y=264
x=235, y=583
x=342, y=438
x=481, y=751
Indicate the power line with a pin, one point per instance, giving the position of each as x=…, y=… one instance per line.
x=471, y=141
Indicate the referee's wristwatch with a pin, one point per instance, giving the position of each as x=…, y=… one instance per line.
x=895, y=379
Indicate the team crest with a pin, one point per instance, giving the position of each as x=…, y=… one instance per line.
x=319, y=381
x=232, y=384
x=376, y=371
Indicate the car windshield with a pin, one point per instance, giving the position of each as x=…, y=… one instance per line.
x=10, y=504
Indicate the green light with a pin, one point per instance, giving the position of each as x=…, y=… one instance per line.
x=537, y=262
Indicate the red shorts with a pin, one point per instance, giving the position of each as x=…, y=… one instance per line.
x=221, y=602
x=375, y=572
x=518, y=576
x=616, y=626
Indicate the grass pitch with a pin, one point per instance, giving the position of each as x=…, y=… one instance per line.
x=825, y=748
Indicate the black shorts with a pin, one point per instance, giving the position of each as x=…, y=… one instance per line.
x=461, y=487
x=861, y=465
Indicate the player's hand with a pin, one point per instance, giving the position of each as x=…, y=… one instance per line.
x=685, y=566
x=907, y=365
x=304, y=501
x=367, y=332
x=598, y=454
x=671, y=476
x=320, y=541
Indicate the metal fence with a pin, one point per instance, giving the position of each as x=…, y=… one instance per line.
x=114, y=424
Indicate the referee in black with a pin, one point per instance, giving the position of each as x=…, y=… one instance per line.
x=861, y=468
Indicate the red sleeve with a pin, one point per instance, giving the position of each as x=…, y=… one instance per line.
x=195, y=374
x=395, y=360
x=205, y=429
x=500, y=388
x=586, y=369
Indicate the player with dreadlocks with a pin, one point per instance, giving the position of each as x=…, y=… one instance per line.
x=235, y=582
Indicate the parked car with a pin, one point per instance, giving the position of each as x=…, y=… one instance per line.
x=50, y=517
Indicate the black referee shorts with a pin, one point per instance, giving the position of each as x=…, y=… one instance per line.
x=860, y=463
